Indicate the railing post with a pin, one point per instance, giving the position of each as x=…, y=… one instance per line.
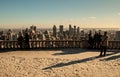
x=0, y=44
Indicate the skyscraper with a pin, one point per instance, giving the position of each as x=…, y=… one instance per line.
x=78, y=30
x=54, y=31
x=61, y=29
x=33, y=27
x=70, y=29
x=117, y=35
x=74, y=30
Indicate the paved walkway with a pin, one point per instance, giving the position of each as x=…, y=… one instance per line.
x=59, y=63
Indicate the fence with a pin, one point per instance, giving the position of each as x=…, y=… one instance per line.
x=55, y=44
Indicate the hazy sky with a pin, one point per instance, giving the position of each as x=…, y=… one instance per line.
x=46, y=13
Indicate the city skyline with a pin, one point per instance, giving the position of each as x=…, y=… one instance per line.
x=46, y=13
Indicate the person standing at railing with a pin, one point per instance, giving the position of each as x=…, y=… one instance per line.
x=98, y=40
x=95, y=37
x=104, y=44
x=27, y=45
x=90, y=40
x=20, y=41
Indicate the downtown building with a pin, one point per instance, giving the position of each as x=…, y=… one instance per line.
x=117, y=35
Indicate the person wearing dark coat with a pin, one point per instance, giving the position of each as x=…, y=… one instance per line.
x=20, y=41
x=26, y=40
x=99, y=40
x=90, y=40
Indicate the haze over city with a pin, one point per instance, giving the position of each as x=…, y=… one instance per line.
x=46, y=13
x=59, y=38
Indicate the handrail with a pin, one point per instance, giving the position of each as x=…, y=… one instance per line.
x=112, y=44
x=43, y=44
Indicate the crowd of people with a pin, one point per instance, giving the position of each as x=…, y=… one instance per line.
x=23, y=41
x=98, y=41
x=94, y=40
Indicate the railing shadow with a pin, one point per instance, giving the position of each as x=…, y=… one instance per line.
x=29, y=49
x=79, y=61
x=113, y=57
x=8, y=50
x=71, y=51
x=71, y=62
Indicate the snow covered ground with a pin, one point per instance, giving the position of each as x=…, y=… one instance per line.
x=59, y=63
